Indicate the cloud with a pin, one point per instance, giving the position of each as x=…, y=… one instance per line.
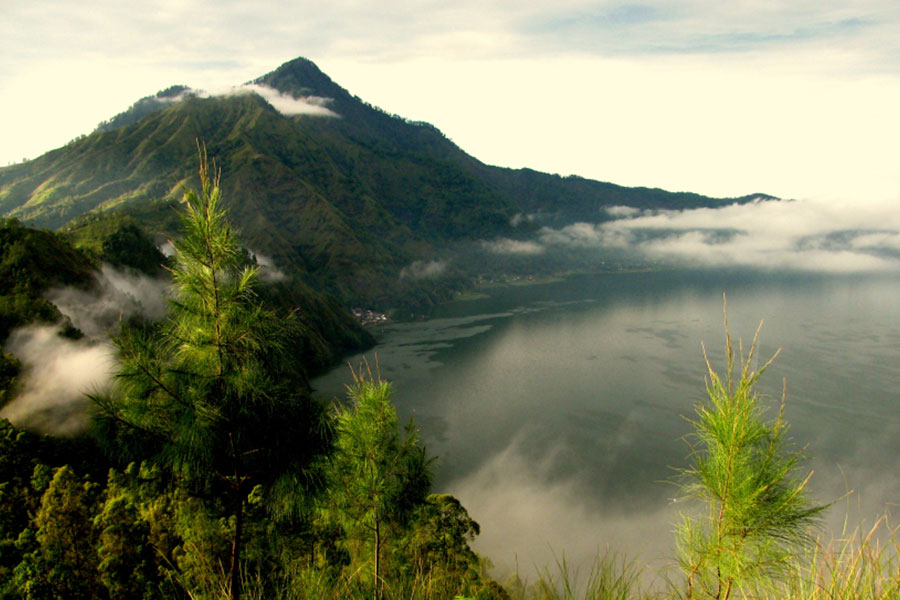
x=421, y=269
x=267, y=270
x=520, y=218
x=57, y=372
x=622, y=212
x=286, y=104
x=289, y=105
x=167, y=248
x=578, y=235
x=802, y=235
x=687, y=26
x=507, y=246
x=117, y=295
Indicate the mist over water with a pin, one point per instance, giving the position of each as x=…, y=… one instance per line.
x=557, y=411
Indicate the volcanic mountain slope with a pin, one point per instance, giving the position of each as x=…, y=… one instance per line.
x=322, y=183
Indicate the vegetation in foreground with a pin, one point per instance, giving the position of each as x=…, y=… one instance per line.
x=212, y=473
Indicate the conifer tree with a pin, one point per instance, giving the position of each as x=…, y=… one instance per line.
x=376, y=478
x=211, y=394
x=755, y=516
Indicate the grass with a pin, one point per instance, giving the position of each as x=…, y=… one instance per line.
x=862, y=564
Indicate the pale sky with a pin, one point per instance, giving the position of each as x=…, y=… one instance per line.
x=796, y=98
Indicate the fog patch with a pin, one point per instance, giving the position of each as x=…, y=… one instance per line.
x=268, y=272
x=883, y=242
x=117, y=295
x=622, y=212
x=516, y=247
x=421, y=269
x=519, y=218
x=289, y=105
x=183, y=94
x=58, y=371
x=56, y=374
x=578, y=235
x=167, y=248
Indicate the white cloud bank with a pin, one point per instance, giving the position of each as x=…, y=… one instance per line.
x=806, y=235
x=117, y=295
x=288, y=105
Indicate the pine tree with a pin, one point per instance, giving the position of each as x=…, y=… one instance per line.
x=376, y=478
x=755, y=514
x=211, y=394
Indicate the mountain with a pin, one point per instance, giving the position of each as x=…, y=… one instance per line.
x=327, y=187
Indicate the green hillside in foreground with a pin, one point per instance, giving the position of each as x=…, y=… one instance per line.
x=346, y=203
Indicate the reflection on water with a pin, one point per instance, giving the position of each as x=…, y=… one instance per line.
x=558, y=410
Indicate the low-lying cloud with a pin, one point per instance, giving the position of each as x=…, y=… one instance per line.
x=797, y=235
x=286, y=104
x=268, y=272
x=802, y=235
x=519, y=218
x=421, y=269
x=576, y=235
x=289, y=105
x=57, y=371
x=516, y=247
x=117, y=295
x=622, y=212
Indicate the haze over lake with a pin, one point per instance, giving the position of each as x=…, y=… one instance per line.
x=558, y=410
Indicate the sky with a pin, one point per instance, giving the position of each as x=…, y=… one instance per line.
x=795, y=98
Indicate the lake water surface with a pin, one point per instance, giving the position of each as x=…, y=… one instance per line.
x=558, y=411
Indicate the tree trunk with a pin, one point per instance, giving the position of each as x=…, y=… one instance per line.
x=377, y=589
x=235, y=574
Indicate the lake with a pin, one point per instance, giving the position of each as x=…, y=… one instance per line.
x=558, y=411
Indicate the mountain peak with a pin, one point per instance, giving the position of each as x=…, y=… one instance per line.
x=301, y=77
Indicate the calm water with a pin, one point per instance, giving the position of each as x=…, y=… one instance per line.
x=557, y=411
